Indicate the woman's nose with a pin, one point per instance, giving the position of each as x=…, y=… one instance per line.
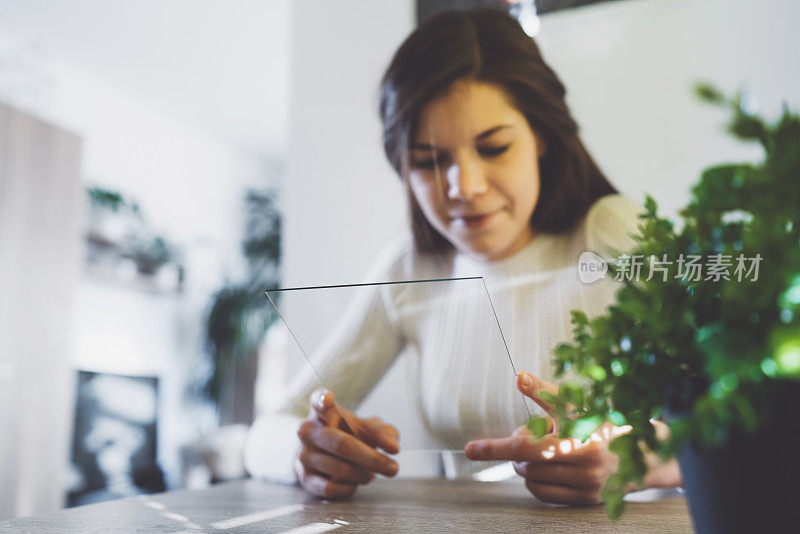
x=465, y=181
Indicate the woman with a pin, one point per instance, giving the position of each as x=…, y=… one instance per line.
x=499, y=186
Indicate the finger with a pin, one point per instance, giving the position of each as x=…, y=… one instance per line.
x=522, y=431
x=562, y=474
x=347, y=447
x=333, y=468
x=563, y=494
x=380, y=434
x=326, y=488
x=531, y=386
x=327, y=412
x=514, y=448
x=525, y=448
x=323, y=407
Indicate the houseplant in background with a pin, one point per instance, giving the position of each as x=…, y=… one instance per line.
x=715, y=352
x=239, y=314
x=104, y=202
x=110, y=216
x=117, y=230
x=150, y=252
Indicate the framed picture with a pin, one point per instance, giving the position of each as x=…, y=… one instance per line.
x=114, y=438
x=428, y=8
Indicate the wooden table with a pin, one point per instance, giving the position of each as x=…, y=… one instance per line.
x=403, y=505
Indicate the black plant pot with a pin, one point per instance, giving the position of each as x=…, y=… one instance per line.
x=752, y=483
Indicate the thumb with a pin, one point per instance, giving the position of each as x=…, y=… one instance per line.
x=532, y=386
x=323, y=407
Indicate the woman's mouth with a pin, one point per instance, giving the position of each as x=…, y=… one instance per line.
x=475, y=221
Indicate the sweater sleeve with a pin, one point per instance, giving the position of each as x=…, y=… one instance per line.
x=351, y=361
x=610, y=225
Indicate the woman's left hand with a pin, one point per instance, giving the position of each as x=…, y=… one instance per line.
x=563, y=471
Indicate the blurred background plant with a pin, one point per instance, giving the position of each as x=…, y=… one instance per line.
x=239, y=313
x=149, y=252
x=113, y=201
x=110, y=214
x=117, y=228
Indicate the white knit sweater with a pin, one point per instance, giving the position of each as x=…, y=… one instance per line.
x=462, y=381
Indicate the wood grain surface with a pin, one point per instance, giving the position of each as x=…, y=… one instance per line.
x=404, y=505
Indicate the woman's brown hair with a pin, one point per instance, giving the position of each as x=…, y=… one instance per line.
x=488, y=45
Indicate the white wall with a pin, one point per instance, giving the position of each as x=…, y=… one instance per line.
x=342, y=199
x=190, y=187
x=629, y=68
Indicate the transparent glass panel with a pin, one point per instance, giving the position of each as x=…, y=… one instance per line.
x=427, y=356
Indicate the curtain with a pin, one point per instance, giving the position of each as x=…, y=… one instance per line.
x=40, y=253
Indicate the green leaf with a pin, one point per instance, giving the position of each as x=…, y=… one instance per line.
x=595, y=372
x=747, y=127
x=614, y=505
x=650, y=206
x=538, y=426
x=573, y=393
x=622, y=445
x=548, y=397
x=584, y=428
x=579, y=318
x=707, y=92
x=616, y=418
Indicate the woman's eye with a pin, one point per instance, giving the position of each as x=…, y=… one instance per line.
x=492, y=151
x=427, y=163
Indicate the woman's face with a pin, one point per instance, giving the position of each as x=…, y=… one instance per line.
x=475, y=170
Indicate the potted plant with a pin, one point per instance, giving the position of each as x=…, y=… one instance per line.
x=118, y=229
x=149, y=252
x=713, y=351
x=110, y=213
x=239, y=314
x=108, y=200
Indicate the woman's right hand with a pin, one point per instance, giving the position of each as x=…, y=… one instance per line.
x=334, y=457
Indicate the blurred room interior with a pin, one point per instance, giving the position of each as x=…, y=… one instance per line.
x=164, y=163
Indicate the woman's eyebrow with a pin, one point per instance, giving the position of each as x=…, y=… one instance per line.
x=480, y=136
x=490, y=131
